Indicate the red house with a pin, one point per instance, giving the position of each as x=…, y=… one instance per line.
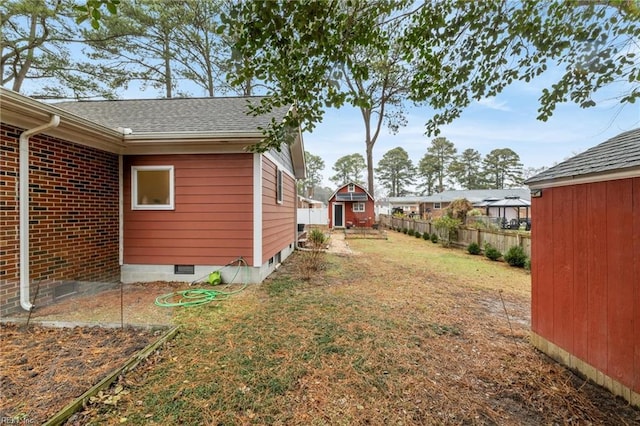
x=351, y=206
x=139, y=191
x=585, y=302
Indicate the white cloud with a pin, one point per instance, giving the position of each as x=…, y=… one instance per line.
x=492, y=103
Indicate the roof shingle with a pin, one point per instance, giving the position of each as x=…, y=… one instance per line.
x=618, y=153
x=198, y=115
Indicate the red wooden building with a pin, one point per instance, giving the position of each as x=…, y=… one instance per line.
x=585, y=302
x=139, y=191
x=351, y=206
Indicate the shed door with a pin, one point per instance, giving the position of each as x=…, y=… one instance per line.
x=338, y=215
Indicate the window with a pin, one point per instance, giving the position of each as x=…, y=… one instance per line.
x=436, y=205
x=279, y=196
x=351, y=188
x=358, y=207
x=152, y=188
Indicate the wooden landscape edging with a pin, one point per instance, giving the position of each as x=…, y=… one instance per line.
x=136, y=359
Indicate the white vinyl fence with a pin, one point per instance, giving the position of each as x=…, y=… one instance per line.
x=313, y=216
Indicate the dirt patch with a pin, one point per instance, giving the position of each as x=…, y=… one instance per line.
x=130, y=305
x=43, y=369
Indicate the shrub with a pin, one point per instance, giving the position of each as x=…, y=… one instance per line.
x=417, y=234
x=434, y=238
x=426, y=236
x=312, y=259
x=410, y=232
x=405, y=230
x=516, y=256
x=527, y=264
x=317, y=238
x=448, y=229
x=491, y=252
x=473, y=248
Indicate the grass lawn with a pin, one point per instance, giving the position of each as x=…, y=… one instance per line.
x=401, y=332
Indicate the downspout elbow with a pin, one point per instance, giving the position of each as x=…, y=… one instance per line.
x=24, y=208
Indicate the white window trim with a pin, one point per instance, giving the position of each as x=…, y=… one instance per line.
x=279, y=186
x=437, y=206
x=134, y=189
x=351, y=187
x=353, y=207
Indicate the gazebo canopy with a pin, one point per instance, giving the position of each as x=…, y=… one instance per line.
x=509, y=202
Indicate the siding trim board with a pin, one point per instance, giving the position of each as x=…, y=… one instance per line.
x=257, y=212
x=589, y=371
x=580, y=180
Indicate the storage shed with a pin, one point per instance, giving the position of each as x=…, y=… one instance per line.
x=585, y=301
x=351, y=206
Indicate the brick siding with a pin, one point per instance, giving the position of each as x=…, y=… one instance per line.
x=73, y=217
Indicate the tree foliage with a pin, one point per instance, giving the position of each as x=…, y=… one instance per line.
x=37, y=43
x=466, y=169
x=314, y=165
x=348, y=169
x=460, y=51
x=427, y=174
x=443, y=152
x=503, y=169
x=395, y=171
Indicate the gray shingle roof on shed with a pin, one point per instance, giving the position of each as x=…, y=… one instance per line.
x=198, y=115
x=618, y=153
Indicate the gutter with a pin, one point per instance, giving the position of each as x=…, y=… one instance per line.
x=24, y=208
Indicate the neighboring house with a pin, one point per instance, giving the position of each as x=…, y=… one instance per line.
x=308, y=203
x=432, y=206
x=139, y=191
x=585, y=264
x=351, y=206
x=409, y=205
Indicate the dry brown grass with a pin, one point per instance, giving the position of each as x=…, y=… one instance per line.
x=404, y=332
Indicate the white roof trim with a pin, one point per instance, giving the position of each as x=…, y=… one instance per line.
x=584, y=179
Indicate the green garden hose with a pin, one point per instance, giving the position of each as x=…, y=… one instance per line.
x=201, y=296
x=195, y=297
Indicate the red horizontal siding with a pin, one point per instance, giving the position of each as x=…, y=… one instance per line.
x=278, y=219
x=213, y=218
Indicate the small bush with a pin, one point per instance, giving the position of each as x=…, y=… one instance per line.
x=405, y=230
x=426, y=236
x=491, y=252
x=417, y=234
x=317, y=238
x=516, y=256
x=434, y=238
x=410, y=232
x=473, y=248
x=527, y=264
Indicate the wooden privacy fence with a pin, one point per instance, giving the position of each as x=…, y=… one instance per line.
x=501, y=239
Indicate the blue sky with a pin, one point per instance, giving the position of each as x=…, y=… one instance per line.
x=506, y=121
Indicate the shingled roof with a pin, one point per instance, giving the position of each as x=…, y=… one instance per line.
x=197, y=115
x=617, y=154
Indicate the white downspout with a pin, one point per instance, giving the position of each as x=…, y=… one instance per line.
x=24, y=208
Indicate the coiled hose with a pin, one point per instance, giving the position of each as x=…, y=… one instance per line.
x=201, y=296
